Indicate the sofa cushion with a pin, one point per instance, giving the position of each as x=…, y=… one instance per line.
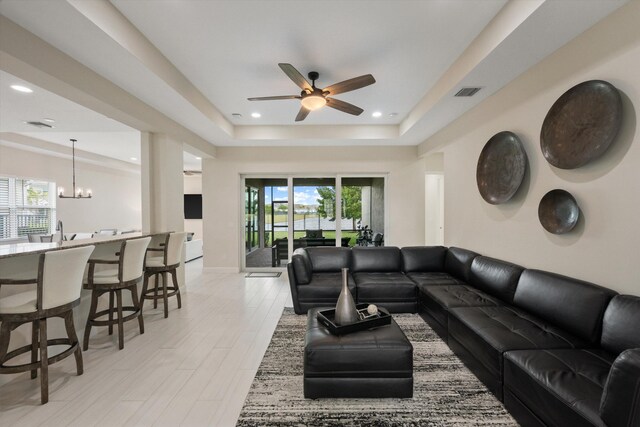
x=620, y=404
x=376, y=259
x=495, y=277
x=325, y=287
x=460, y=296
x=457, y=263
x=571, y=304
x=439, y=299
x=329, y=259
x=621, y=324
x=562, y=387
x=433, y=279
x=384, y=287
x=301, y=266
x=425, y=259
x=487, y=332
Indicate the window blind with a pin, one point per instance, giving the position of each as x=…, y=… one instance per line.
x=26, y=207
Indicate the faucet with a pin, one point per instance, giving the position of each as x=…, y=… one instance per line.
x=60, y=228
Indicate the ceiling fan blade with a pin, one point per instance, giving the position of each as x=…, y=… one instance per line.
x=302, y=114
x=349, y=85
x=272, y=98
x=344, y=106
x=295, y=75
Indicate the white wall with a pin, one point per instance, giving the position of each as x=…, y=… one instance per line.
x=222, y=192
x=193, y=185
x=116, y=193
x=604, y=246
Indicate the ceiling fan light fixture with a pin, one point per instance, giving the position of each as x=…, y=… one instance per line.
x=313, y=102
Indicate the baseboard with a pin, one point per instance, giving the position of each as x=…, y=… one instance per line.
x=221, y=269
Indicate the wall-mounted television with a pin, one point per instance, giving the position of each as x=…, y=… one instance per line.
x=193, y=206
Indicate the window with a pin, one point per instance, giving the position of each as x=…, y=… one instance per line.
x=363, y=211
x=27, y=206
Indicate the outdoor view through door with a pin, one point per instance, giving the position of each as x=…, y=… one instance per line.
x=314, y=221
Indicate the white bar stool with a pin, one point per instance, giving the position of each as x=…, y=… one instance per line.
x=128, y=274
x=161, y=266
x=58, y=288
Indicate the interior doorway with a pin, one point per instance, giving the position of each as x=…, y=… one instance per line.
x=434, y=209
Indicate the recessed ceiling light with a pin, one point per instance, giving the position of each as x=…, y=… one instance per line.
x=21, y=88
x=48, y=120
x=198, y=158
x=256, y=115
x=376, y=114
x=134, y=158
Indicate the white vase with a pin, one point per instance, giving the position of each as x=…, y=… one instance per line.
x=346, y=312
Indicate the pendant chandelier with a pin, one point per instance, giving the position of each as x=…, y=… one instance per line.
x=78, y=193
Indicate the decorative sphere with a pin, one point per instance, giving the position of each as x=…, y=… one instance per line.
x=372, y=309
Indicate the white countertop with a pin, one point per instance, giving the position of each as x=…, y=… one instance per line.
x=17, y=249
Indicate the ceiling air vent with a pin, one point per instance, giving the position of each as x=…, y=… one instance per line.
x=468, y=91
x=192, y=172
x=39, y=125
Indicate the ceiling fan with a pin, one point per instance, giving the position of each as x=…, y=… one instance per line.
x=313, y=98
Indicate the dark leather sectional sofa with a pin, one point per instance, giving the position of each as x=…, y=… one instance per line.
x=556, y=350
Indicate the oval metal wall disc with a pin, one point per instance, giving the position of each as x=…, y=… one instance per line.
x=581, y=124
x=501, y=168
x=558, y=211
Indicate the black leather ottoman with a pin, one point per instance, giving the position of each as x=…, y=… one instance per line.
x=375, y=363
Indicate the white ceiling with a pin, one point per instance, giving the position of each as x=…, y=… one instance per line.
x=18, y=107
x=221, y=52
x=230, y=50
x=94, y=132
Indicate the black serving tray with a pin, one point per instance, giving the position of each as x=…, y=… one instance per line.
x=327, y=317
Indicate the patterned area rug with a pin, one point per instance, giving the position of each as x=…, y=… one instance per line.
x=445, y=393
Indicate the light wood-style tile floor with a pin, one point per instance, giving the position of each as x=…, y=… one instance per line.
x=192, y=369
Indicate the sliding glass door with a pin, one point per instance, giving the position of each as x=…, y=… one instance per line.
x=314, y=219
x=252, y=239
x=363, y=210
x=266, y=222
x=283, y=214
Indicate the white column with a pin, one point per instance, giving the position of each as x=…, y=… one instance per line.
x=162, y=185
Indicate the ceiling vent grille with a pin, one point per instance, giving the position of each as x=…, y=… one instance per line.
x=468, y=91
x=39, y=125
x=192, y=172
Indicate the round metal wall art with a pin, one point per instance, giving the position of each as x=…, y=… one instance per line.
x=501, y=167
x=581, y=124
x=558, y=211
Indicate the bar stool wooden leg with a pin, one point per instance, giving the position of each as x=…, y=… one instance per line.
x=5, y=336
x=138, y=305
x=110, y=312
x=155, y=292
x=164, y=295
x=145, y=286
x=73, y=339
x=44, y=363
x=35, y=331
x=90, y=317
x=120, y=321
x=174, y=276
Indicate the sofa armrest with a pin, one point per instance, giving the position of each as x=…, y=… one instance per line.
x=620, y=404
x=293, y=284
x=302, y=267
